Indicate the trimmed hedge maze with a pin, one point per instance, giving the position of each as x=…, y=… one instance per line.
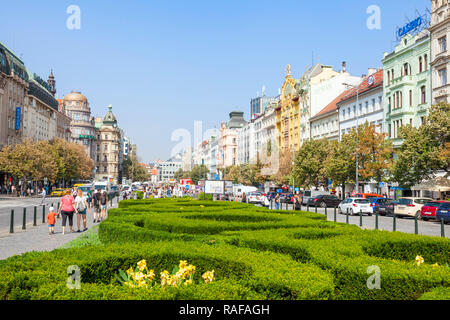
x=256, y=254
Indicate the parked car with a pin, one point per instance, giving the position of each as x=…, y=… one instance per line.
x=355, y=206
x=443, y=212
x=375, y=202
x=254, y=197
x=311, y=194
x=323, y=201
x=429, y=209
x=410, y=206
x=368, y=195
x=286, y=197
x=383, y=206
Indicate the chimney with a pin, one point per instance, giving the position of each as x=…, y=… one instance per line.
x=371, y=71
x=344, y=65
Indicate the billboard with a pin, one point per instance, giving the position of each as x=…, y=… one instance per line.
x=212, y=186
x=228, y=187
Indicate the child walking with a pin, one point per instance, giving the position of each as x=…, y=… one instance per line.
x=51, y=220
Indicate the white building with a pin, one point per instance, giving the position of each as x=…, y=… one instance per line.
x=246, y=147
x=440, y=57
x=168, y=168
x=369, y=107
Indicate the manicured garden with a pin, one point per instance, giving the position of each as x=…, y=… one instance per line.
x=239, y=252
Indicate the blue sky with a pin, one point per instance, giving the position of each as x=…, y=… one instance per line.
x=162, y=65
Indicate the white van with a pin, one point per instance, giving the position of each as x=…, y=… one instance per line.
x=239, y=190
x=311, y=194
x=102, y=185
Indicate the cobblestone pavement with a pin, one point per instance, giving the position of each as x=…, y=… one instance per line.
x=36, y=238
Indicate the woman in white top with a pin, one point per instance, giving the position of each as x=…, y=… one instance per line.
x=81, y=208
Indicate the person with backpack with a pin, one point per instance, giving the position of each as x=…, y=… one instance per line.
x=103, y=205
x=67, y=209
x=81, y=205
x=96, y=205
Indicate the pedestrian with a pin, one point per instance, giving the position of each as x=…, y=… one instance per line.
x=96, y=204
x=297, y=204
x=244, y=198
x=103, y=205
x=43, y=194
x=51, y=220
x=277, y=202
x=81, y=205
x=67, y=209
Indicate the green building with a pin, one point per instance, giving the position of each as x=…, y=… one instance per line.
x=407, y=87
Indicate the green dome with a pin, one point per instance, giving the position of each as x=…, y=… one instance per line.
x=109, y=118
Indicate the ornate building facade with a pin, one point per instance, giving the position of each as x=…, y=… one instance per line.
x=109, y=149
x=82, y=125
x=440, y=56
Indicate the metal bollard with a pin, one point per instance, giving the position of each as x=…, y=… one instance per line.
x=43, y=213
x=335, y=214
x=394, y=227
x=271, y=204
x=346, y=217
x=11, y=226
x=326, y=212
x=315, y=208
x=416, y=225
x=360, y=218
x=35, y=216
x=307, y=207
x=24, y=221
x=442, y=228
x=376, y=220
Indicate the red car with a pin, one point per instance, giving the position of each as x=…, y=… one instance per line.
x=429, y=209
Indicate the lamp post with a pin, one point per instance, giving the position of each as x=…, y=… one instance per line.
x=357, y=87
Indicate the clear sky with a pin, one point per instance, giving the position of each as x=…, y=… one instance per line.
x=164, y=64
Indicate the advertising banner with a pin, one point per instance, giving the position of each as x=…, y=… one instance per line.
x=214, y=187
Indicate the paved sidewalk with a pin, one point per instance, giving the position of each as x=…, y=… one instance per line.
x=38, y=239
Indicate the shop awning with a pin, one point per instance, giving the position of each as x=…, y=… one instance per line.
x=439, y=184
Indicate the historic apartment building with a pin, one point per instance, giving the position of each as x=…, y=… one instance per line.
x=440, y=57
x=407, y=88
x=228, y=134
x=109, y=149
x=82, y=125
x=13, y=92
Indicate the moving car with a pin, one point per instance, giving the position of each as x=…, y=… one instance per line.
x=429, y=209
x=312, y=193
x=384, y=206
x=410, y=206
x=324, y=201
x=443, y=212
x=57, y=192
x=355, y=206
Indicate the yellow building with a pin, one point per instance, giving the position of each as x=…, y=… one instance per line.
x=296, y=105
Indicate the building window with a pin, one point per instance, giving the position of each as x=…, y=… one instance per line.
x=443, y=44
x=423, y=95
x=420, y=64
x=410, y=98
x=443, y=76
x=426, y=62
x=405, y=69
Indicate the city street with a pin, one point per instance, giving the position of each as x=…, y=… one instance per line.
x=428, y=228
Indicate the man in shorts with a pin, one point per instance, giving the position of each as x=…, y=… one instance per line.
x=96, y=204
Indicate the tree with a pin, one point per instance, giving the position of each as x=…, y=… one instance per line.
x=340, y=167
x=199, y=172
x=424, y=150
x=283, y=174
x=133, y=170
x=308, y=166
x=232, y=174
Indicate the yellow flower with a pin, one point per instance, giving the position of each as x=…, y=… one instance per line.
x=183, y=264
x=142, y=265
x=419, y=260
x=435, y=265
x=150, y=275
x=130, y=271
x=187, y=282
x=208, y=276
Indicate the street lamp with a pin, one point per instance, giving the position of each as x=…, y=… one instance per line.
x=357, y=87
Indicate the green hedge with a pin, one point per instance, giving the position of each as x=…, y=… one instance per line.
x=257, y=254
x=240, y=273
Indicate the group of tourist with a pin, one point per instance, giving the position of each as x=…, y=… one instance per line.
x=75, y=202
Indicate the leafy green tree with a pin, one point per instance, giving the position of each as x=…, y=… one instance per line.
x=199, y=172
x=308, y=166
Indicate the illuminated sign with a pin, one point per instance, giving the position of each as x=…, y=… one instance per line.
x=409, y=27
x=18, y=116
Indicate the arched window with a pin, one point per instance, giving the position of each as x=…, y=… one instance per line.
x=426, y=63
x=423, y=96
x=420, y=65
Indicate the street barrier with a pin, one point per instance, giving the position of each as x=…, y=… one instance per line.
x=346, y=217
x=43, y=213
x=335, y=214
x=376, y=220
x=34, y=216
x=416, y=225
x=360, y=218
x=394, y=227
x=442, y=228
x=11, y=226
x=24, y=220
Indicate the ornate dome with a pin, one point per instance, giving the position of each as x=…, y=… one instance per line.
x=75, y=96
x=110, y=118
